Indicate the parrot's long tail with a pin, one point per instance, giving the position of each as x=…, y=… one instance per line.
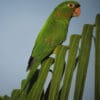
x=32, y=81
x=30, y=63
x=32, y=75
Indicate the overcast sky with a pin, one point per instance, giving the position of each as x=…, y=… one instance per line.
x=20, y=22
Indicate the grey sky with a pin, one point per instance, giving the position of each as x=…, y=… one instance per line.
x=20, y=22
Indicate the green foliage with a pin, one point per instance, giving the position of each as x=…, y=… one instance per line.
x=58, y=71
x=15, y=94
x=63, y=70
x=5, y=98
x=83, y=60
x=40, y=81
x=97, y=59
x=74, y=42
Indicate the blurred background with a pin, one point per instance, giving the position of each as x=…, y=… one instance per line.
x=20, y=22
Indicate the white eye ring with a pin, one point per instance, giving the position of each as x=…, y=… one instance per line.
x=71, y=5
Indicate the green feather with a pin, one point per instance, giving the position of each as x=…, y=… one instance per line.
x=52, y=34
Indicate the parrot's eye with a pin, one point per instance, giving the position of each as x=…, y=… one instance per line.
x=71, y=5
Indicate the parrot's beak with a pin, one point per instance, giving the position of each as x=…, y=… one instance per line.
x=76, y=12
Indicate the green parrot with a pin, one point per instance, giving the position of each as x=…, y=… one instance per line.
x=54, y=32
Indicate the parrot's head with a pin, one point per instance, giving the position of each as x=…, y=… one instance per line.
x=68, y=9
